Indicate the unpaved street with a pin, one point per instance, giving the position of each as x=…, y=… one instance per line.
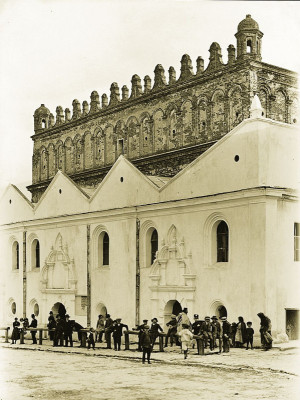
x=44, y=375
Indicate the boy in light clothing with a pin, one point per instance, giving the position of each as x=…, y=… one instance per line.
x=186, y=337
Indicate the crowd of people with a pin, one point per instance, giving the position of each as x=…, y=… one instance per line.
x=215, y=332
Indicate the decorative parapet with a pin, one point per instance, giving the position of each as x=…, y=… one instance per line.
x=85, y=108
x=114, y=94
x=59, y=115
x=104, y=100
x=159, y=77
x=147, y=84
x=76, y=109
x=136, y=87
x=231, y=54
x=215, y=58
x=172, y=76
x=186, y=70
x=67, y=115
x=95, y=103
x=200, y=65
x=125, y=92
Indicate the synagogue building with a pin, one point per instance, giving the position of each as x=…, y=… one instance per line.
x=181, y=192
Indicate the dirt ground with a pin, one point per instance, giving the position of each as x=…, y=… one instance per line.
x=90, y=375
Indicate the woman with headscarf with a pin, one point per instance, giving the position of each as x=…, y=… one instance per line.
x=265, y=331
x=240, y=337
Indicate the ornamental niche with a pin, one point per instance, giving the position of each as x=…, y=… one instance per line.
x=59, y=273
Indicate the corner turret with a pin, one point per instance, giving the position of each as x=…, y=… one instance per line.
x=248, y=40
x=41, y=118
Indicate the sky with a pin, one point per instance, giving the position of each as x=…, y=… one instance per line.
x=55, y=51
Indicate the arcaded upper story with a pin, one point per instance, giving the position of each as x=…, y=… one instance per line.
x=164, y=126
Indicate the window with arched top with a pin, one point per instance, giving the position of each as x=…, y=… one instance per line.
x=103, y=249
x=35, y=254
x=15, y=255
x=154, y=245
x=43, y=123
x=249, y=46
x=222, y=242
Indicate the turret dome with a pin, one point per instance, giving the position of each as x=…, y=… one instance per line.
x=41, y=111
x=247, y=23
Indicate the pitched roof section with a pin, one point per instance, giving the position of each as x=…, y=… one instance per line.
x=14, y=206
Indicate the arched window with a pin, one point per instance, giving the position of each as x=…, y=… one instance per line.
x=35, y=254
x=249, y=46
x=103, y=249
x=154, y=245
x=15, y=255
x=222, y=242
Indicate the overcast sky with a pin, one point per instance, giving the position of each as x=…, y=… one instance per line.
x=53, y=51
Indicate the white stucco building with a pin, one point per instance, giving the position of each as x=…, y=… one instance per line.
x=225, y=229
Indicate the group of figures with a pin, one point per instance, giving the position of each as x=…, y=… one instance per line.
x=181, y=331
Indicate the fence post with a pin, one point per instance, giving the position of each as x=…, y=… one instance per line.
x=22, y=336
x=200, y=346
x=40, y=336
x=83, y=339
x=126, y=334
x=6, y=334
x=161, y=343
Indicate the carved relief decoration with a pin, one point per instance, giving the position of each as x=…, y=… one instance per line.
x=172, y=269
x=58, y=273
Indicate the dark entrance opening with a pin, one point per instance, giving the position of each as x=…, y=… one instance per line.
x=292, y=324
x=221, y=311
x=176, y=308
x=60, y=309
x=172, y=307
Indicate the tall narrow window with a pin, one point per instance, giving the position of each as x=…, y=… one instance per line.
x=35, y=254
x=296, y=241
x=249, y=46
x=120, y=147
x=15, y=255
x=222, y=242
x=105, y=249
x=154, y=245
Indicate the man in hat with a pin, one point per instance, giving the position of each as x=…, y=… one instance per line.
x=172, y=330
x=51, y=325
x=68, y=329
x=206, y=331
x=146, y=344
x=33, y=324
x=141, y=328
x=216, y=332
x=118, y=333
x=155, y=327
x=59, y=331
x=108, y=328
x=226, y=331
x=196, y=326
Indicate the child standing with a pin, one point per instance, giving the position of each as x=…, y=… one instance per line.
x=91, y=341
x=186, y=337
x=146, y=344
x=249, y=335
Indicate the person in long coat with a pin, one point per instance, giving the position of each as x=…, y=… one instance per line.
x=226, y=332
x=51, y=325
x=141, y=328
x=68, y=330
x=100, y=325
x=265, y=331
x=59, y=331
x=33, y=324
x=118, y=333
x=240, y=337
x=182, y=318
x=108, y=330
x=155, y=327
x=16, y=332
x=146, y=344
x=172, y=330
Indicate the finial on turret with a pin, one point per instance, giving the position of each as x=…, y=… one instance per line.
x=51, y=120
x=159, y=77
x=59, y=115
x=67, y=115
x=104, y=100
x=114, y=94
x=95, y=103
x=231, y=54
x=200, y=65
x=85, y=108
x=125, y=92
x=256, y=110
x=136, y=87
x=147, y=84
x=215, y=58
x=76, y=109
x=172, y=75
x=186, y=69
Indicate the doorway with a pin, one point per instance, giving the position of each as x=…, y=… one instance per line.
x=60, y=309
x=292, y=324
x=221, y=311
x=172, y=307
